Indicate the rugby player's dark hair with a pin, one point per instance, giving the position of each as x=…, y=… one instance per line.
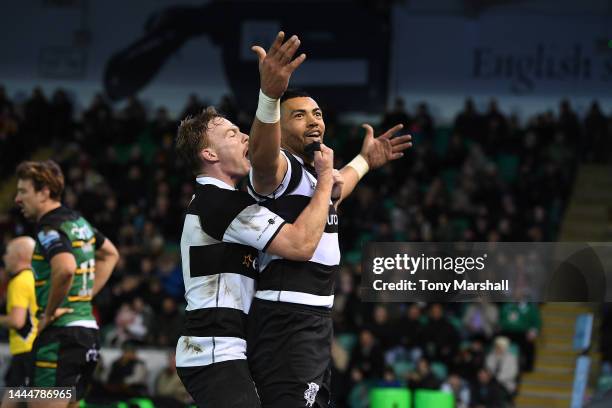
x=43, y=174
x=192, y=138
x=294, y=93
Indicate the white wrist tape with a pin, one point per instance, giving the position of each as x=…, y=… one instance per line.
x=268, y=109
x=360, y=165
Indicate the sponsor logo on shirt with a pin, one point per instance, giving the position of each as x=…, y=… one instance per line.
x=48, y=237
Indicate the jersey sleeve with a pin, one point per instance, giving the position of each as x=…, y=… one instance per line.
x=280, y=190
x=235, y=217
x=53, y=241
x=100, y=238
x=255, y=226
x=20, y=291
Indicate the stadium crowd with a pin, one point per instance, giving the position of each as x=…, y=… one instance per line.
x=486, y=177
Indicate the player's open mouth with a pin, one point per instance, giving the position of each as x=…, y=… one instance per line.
x=246, y=153
x=314, y=134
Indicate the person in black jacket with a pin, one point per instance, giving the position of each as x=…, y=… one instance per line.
x=487, y=393
x=440, y=337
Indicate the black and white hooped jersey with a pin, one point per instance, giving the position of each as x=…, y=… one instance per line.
x=311, y=282
x=223, y=230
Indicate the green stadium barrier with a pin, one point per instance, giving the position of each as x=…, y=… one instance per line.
x=83, y=404
x=142, y=402
x=390, y=398
x=431, y=399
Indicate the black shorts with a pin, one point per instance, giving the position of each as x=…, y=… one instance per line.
x=65, y=357
x=19, y=372
x=227, y=384
x=289, y=353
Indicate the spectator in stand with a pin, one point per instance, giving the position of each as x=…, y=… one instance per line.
x=389, y=379
x=128, y=374
x=457, y=152
x=440, y=338
x=410, y=329
x=133, y=120
x=496, y=126
x=469, y=360
x=521, y=323
x=162, y=125
x=382, y=329
x=596, y=135
x=487, y=393
x=60, y=121
x=36, y=121
x=568, y=122
x=480, y=320
x=169, y=390
x=194, y=106
x=346, y=312
x=469, y=123
x=132, y=323
x=366, y=358
x=423, y=123
x=397, y=114
x=167, y=324
x=11, y=146
x=423, y=377
x=503, y=365
x=460, y=389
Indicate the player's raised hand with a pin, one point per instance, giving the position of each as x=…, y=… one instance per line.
x=277, y=65
x=384, y=148
x=324, y=162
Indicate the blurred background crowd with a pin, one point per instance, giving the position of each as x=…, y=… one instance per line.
x=488, y=176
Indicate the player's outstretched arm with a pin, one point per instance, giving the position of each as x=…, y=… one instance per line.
x=298, y=241
x=107, y=257
x=375, y=152
x=275, y=69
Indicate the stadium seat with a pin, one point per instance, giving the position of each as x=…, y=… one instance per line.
x=347, y=341
x=514, y=349
x=390, y=398
x=401, y=368
x=604, y=384
x=508, y=165
x=439, y=370
x=352, y=257
x=430, y=399
x=449, y=177
x=443, y=135
x=357, y=398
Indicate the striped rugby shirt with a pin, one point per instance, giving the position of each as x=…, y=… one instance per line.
x=223, y=230
x=281, y=280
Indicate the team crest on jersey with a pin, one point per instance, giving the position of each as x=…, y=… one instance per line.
x=310, y=394
x=48, y=237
